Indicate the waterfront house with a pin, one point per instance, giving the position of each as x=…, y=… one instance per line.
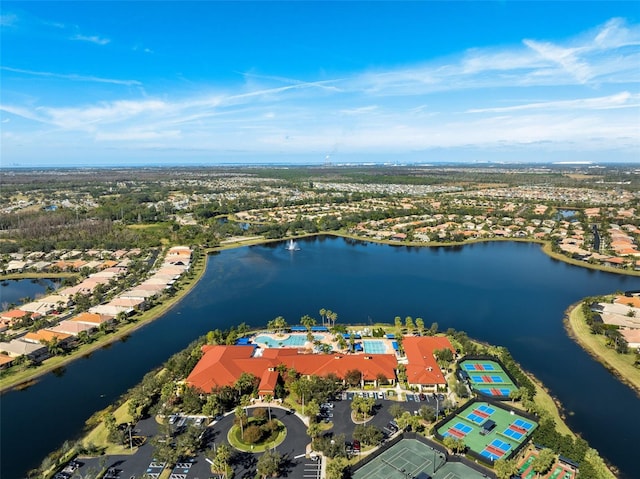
x=16, y=348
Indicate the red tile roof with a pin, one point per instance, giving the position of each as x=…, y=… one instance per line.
x=223, y=365
x=13, y=314
x=423, y=367
x=268, y=381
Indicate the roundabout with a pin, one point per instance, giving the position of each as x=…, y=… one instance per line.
x=269, y=439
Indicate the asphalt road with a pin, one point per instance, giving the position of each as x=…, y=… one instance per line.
x=292, y=448
x=135, y=466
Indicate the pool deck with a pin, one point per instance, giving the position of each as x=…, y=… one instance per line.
x=327, y=338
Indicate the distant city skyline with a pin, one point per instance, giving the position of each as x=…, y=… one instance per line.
x=195, y=83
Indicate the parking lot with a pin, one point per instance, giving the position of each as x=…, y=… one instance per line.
x=337, y=412
x=312, y=468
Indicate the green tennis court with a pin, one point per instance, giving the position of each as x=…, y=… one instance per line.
x=489, y=430
x=412, y=459
x=488, y=377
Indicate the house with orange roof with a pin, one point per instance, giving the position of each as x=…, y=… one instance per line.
x=43, y=336
x=5, y=361
x=13, y=315
x=109, y=263
x=423, y=371
x=92, y=319
x=613, y=261
x=633, y=301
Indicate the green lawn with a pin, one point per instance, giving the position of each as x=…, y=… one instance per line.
x=620, y=364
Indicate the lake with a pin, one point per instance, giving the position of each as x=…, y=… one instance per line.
x=14, y=290
x=504, y=293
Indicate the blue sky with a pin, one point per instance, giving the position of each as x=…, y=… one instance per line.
x=127, y=83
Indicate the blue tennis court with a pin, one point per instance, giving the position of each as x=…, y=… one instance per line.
x=501, y=445
x=463, y=428
x=522, y=424
x=488, y=455
x=485, y=379
x=495, y=391
x=478, y=367
x=486, y=409
x=475, y=418
x=514, y=434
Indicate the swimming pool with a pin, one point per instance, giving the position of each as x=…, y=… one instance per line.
x=292, y=341
x=374, y=347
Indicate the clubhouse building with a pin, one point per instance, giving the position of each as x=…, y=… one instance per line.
x=223, y=365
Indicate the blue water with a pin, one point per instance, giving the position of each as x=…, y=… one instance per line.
x=291, y=341
x=508, y=294
x=372, y=346
x=13, y=291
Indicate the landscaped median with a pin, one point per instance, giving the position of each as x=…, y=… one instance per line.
x=256, y=434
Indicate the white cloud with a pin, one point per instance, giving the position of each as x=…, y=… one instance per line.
x=534, y=93
x=620, y=100
x=72, y=76
x=91, y=39
x=138, y=135
x=8, y=20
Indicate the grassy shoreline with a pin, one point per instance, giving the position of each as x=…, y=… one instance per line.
x=28, y=377
x=619, y=365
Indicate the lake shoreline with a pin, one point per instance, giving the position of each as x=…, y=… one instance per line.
x=576, y=329
x=123, y=331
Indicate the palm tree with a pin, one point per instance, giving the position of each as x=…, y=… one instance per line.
x=268, y=398
x=269, y=464
x=322, y=314
x=308, y=322
x=241, y=417
x=409, y=324
x=280, y=324
x=420, y=325
x=398, y=323
x=54, y=346
x=314, y=430
x=334, y=317
x=221, y=459
x=505, y=468
x=244, y=402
